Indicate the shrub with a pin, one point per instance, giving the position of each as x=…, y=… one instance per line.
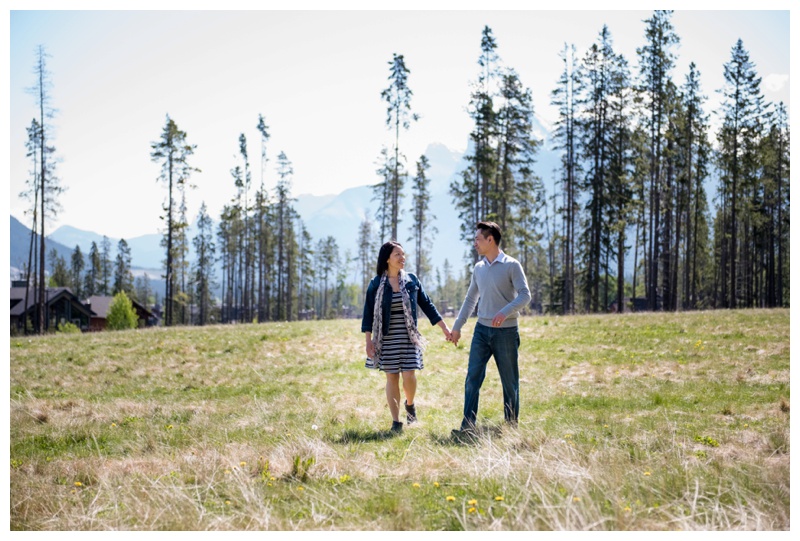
x=121, y=314
x=68, y=328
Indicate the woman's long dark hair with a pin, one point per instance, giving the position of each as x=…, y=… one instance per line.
x=383, y=255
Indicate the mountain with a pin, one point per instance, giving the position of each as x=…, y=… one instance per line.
x=146, y=250
x=343, y=214
x=20, y=237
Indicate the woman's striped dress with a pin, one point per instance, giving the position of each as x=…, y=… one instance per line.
x=398, y=353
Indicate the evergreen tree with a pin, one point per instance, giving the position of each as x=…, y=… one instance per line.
x=91, y=284
x=59, y=273
x=141, y=285
x=263, y=232
x=604, y=145
x=305, y=302
x=694, y=160
x=243, y=181
x=422, y=227
x=123, y=277
x=48, y=184
x=173, y=152
x=204, y=248
x=398, y=114
x=514, y=181
x=77, y=264
x=31, y=194
x=740, y=136
x=656, y=61
x=105, y=267
x=182, y=293
x=366, y=253
x=565, y=97
x=471, y=194
x=327, y=258
x=777, y=165
x=382, y=193
x=229, y=230
x=284, y=234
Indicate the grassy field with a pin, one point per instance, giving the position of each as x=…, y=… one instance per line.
x=627, y=422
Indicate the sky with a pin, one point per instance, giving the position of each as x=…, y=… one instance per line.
x=316, y=77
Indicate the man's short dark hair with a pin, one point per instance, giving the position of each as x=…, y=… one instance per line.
x=490, y=228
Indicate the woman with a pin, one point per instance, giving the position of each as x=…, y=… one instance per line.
x=394, y=344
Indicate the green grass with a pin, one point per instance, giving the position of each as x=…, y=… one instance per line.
x=627, y=422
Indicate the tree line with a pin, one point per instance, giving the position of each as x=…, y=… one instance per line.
x=631, y=192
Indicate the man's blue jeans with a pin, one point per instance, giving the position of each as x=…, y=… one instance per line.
x=503, y=344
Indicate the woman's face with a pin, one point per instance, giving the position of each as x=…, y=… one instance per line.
x=397, y=260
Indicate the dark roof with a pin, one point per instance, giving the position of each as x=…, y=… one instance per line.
x=101, y=303
x=53, y=294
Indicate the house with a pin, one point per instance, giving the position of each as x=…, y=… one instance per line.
x=100, y=304
x=62, y=306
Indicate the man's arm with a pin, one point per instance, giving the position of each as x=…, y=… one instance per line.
x=520, y=284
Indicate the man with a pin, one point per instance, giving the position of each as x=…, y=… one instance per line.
x=500, y=290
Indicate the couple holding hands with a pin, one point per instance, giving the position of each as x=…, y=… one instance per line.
x=394, y=344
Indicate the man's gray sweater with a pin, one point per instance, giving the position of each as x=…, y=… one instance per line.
x=499, y=286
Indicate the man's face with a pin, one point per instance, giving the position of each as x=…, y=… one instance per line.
x=482, y=244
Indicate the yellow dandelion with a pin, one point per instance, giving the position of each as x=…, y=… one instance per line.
x=169, y=427
x=436, y=484
x=415, y=485
x=627, y=509
x=269, y=484
x=473, y=502
x=300, y=488
x=576, y=499
x=73, y=491
x=227, y=472
x=605, y=426
x=647, y=473
x=746, y=425
x=113, y=425
x=227, y=502
x=243, y=464
x=499, y=498
x=471, y=510
x=271, y=478
x=78, y=484
x=451, y=498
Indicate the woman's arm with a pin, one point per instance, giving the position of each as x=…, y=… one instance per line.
x=427, y=306
x=370, y=347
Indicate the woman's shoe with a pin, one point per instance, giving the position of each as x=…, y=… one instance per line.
x=397, y=427
x=411, y=413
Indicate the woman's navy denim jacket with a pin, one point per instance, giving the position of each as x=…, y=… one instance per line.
x=416, y=294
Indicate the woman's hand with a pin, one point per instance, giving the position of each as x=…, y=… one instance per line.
x=445, y=330
x=370, y=349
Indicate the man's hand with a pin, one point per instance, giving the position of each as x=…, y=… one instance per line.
x=498, y=319
x=455, y=336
